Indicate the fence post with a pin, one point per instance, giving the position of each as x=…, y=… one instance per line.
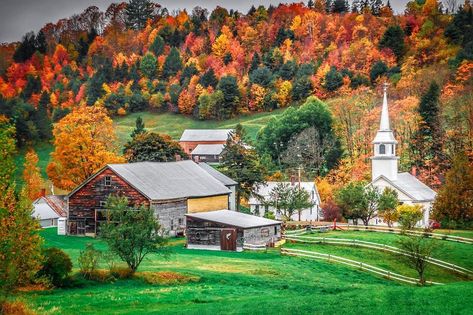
x=361, y=265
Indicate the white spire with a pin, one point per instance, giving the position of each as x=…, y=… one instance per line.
x=384, y=124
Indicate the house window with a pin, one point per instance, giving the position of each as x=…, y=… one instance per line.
x=108, y=181
x=257, y=209
x=275, y=230
x=382, y=149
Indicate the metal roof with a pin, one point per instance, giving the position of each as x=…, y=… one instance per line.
x=205, y=134
x=414, y=187
x=233, y=218
x=227, y=181
x=170, y=180
x=208, y=149
x=43, y=209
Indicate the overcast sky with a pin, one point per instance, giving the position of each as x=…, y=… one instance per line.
x=18, y=17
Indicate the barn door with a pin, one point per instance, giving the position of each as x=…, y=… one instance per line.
x=228, y=239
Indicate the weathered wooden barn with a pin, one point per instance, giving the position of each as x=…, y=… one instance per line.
x=172, y=189
x=230, y=230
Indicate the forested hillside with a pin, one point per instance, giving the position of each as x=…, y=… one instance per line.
x=217, y=65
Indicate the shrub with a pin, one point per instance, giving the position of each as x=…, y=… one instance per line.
x=56, y=266
x=166, y=277
x=409, y=215
x=15, y=308
x=121, y=273
x=89, y=260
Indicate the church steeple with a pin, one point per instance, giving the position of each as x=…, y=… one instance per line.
x=384, y=161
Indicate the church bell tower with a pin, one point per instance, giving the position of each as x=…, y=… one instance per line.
x=384, y=160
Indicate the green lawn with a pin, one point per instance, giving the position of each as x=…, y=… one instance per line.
x=175, y=124
x=247, y=283
x=456, y=253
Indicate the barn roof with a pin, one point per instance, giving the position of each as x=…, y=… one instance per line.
x=170, y=180
x=227, y=181
x=205, y=134
x=208, y=149
x=233, y=218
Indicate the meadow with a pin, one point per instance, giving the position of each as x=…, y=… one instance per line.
x=250, y=282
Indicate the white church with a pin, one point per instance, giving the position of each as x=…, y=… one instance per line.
x=384, y=170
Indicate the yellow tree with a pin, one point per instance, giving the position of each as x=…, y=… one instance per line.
x=32, y=176
x=85, y=141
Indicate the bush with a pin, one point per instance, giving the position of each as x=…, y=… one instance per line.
x=409, y=215
x=166, y=277
x=89, y=260
x=56, y=266
x=121, y=273
x=14, y=308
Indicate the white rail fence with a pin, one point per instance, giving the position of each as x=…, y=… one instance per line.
x=353, y=263
x=383, y=247
x=382, y=229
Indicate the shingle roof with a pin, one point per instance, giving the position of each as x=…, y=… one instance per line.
x=170, y=180
x=227, y=181
x=414, y=187
x=208, y=149
x=233, y=218
x=205, y=134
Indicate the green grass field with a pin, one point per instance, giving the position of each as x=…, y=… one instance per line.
x=248, y=283
x=175, y=124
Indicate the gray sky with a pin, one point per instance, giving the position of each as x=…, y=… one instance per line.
x=18, y=17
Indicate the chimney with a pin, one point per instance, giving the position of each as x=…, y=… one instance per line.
x=43, y=192
x=414, y=171
x=177, y=157
x=293, y=180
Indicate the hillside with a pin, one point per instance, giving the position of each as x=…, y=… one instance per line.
x=221, y=67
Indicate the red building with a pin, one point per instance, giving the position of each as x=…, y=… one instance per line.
x=191, y=138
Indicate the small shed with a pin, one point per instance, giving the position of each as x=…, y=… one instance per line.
x=209, y=153
x=230, y=230
x=48, y=209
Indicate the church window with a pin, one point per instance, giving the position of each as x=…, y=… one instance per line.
x=382, y=149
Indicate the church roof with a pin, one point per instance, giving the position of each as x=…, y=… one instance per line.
x=412, y=187
x=384, y=134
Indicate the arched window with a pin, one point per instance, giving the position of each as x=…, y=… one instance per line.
x=382, y=149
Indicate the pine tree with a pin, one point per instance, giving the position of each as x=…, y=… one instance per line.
x=393, y=39
x=138, y=12
x=172, y=64
x=255, y=62
x=231, y=96
x=454, y=202
x=157, y=47
x=139, y=127
x=41, y=118
x=333, y=80
x=339, y=6
x=209, y=79
x=241, y=163
x=310, y=4
x=375, y=6
x=148, y=65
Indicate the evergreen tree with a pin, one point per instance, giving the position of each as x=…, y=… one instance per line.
x=340, y=6
x=302, y=88
x=231, y=97
x=255, y=62
x=138, y=12
x=378, y=69
x=454, y=203
x=356, y=6
x=41, y=117
x=310, y=4
x=95, y=87
x=333, y=80
x=148, y=65
x=33, y=85
x=157, y=47
x=241, y=163
x=393, y=38
x=375, y=6
x=26, y=48
x=261, y=76
x=172, y=64
x=40, y=42
x=209, y=78
x=139, y=127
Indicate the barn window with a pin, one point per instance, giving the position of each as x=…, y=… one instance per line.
x=108, y=181
x=172, y=224
x=102, y=204
x=179, y=221
x=382, y=149
x=275, y=230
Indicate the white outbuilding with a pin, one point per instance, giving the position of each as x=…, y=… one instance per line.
x=49, y=209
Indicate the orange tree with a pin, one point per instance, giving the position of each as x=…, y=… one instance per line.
x=32, y=175
x=85, y=141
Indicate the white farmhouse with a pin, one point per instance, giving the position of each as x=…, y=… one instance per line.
x=384, y=170
x=259, y=206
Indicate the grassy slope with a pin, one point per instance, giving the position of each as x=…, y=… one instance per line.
x=247, y=283
x=174, y=124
